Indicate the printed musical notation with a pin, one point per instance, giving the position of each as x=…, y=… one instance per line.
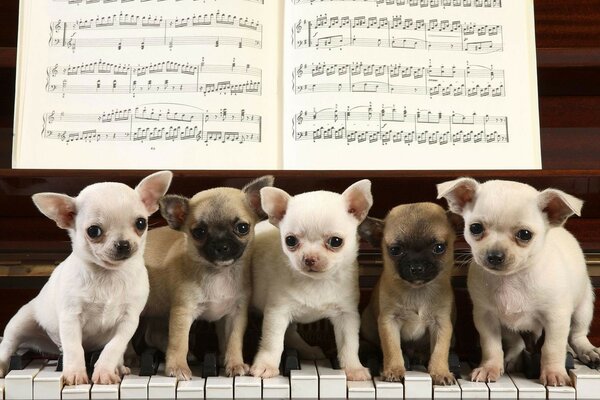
x=154, y=122
x=389, y=125
x=80, y=2
x=418, y=3
x=397, y=32
x=474, y=80
x=128, y=30
x=163, y=77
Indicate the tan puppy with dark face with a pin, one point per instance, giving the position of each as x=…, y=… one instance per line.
x=413, y=300
x=199, y=268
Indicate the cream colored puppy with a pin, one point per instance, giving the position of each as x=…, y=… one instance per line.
x=306, y=270
x=528, y=274
x=94, y=298
x=199, y=268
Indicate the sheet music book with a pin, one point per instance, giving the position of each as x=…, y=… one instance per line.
x=270, y=84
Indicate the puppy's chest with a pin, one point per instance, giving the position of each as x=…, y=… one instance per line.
x=218, y=295
x=414, y=321
x=514, y=304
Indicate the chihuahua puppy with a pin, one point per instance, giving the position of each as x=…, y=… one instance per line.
x=199, y=268
x=528, y=274
x=413, y=299
x=94, y=298
x=307, y=270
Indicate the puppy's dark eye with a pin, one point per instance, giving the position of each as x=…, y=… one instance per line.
x=395, y=251
x=242, y=228
x=291, y=241
x=524, y=235
x=199, y=232
x=140, y=224
x=94, y=231
x=476, y=228
x=439, y=248
x=335, y=242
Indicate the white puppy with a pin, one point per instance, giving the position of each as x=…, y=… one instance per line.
x=307, y=270
x=528, y=274
x=94, y=298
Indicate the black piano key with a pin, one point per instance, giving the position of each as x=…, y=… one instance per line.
x=531, y=363
x=90, y=360
x=289, y=361
x=149, y=361
x=59, y=363
x=209, y=365
x=20, y=359
x=454, y=364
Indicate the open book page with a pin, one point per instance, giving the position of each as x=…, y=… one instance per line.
x=410, y=84
x=148, y=84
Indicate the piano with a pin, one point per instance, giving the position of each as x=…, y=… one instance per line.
x=568, y=56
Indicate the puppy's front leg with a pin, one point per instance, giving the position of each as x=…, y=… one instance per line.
x=346, y=326
x=389, y=336
x=490, y=336
x=74, y=372
x=441, y=336
x=266, y=362
x=180, y=322
x=235, y=327
x=109, y=366
x=552, y=365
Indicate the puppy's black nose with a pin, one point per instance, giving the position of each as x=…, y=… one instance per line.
x=222, y=248
x=417, y=269
x=123, y=247
x=495, y=258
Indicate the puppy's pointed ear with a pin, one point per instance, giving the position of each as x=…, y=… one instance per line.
x=274, y=202
x=456, y=221
x=152, y=188
x=558, y=206
x=175, y=210
x=458, y=193
x=58, y=207
x=371, y=230
x=252, y=193
x=358, y=199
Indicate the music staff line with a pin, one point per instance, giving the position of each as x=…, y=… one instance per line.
x=332, y=32
x=417, y=3
x=148, y=31
x=108, y=78
x=474, y=80
x=147, y=124
x=364, y=125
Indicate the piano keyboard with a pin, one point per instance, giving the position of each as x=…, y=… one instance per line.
x=314, y=380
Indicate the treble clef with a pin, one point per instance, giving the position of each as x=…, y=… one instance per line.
x=299, y=118
x=300, y=71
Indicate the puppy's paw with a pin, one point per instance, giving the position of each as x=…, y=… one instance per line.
x=554, y=377
x=123, y=370
x=486, y=373
x=105, y=376
x=179, y=370
x=442, y=377
x=237, y=369
x=590, y=357
x=75, y=377
x=393, y=374
x=264, y=370
x=312, y=353
x=357, y=374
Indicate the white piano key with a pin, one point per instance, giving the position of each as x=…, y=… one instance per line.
x=417, y=385
x=503, y=389
x=388, y=390
x=469, y=389
x=105, y=392
x=304, y=382
x=586, y=381
x=446, y=392
x=361, y=390
x=332, y=382
x=134, y=386
x=247, y=387
x=562, y=392
x=277, y=387
x=48, y=383
x=528, y=389
x=18, y=384
x=194, y=388
x=219, y=387
x=161, y=386
x=76, y=392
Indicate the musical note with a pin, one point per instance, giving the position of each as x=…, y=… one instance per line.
x=155, y=122
x=388, y=126
x=420, y=3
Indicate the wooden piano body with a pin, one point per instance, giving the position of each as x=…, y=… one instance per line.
x=568, y=43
